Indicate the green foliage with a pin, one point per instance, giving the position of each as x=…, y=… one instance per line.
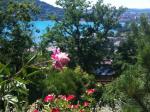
x=65, y=103
x=133, y=85
x=131, y=107
x=145, y=60
x=13, y=90
x=67, y=81
x=78, y=38
x=129, y=89
x=15, y=42
x=15, y=33
x=14, y=87
x=23, y=81
x=126, y=54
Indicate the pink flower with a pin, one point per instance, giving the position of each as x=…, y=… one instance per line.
x=70, y=97
x=57, y=65
x=63, y=97
x=60, y=59
x=55, y=110
x=73, y=106
x=90, y=91
x=49, y=98
x=55, y=50
x=85, y=104
x=35, y=110
x=54, y=57
x=67, y=98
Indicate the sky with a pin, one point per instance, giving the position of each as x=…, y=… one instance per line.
x=126, y=3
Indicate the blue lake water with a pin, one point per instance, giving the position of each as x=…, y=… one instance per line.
x=40, y=27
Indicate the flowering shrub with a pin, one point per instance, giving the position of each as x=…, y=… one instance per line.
x=49, y=98
x=75, y=85
x=90, y=91
x=59, y=58
x=68, y=81
x=66, y=103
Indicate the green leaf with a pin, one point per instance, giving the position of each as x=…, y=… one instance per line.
x=21, y=80
x=11, y=99
x=3, y=68
x=33, y=73
x=3, y=82
x=32, y=58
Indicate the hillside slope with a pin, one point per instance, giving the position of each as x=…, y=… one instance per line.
x=46, y=9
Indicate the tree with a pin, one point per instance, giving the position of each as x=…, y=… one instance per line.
x=127, y=51
x=15, y=32
x=86, y=41
x=132, y=86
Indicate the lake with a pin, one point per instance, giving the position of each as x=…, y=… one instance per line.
x=42, y=25
x=40, y=28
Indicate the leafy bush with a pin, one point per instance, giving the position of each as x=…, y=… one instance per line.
x=128, y=89
x=65, y=103
x=68, y=81
x=13, y=90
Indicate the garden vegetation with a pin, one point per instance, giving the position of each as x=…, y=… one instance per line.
x=57, y=74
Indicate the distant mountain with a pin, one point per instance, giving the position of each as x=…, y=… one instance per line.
x=139, y=10
x=134, y=14
x=47, y=9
